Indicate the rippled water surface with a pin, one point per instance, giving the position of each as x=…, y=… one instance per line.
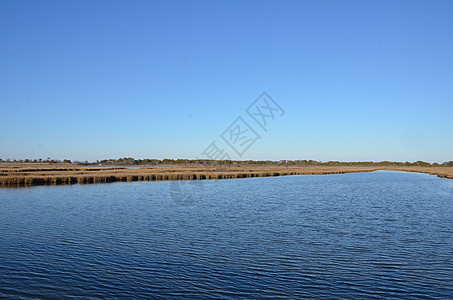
x=368, y=235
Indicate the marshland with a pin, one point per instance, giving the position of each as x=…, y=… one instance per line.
x=226, y=149
x=60, y=173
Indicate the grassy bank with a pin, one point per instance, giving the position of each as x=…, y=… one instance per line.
x=13, y=175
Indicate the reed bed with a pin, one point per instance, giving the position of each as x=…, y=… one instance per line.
x=37, y=174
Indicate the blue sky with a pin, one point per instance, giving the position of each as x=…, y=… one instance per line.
x=358, y=80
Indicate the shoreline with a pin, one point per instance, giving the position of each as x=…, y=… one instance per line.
x=13, y=176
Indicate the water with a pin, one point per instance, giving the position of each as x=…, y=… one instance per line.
x=354, y=236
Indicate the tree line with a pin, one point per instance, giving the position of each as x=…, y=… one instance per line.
x=129, y=161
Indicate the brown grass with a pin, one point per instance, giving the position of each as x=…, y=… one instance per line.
x=38, y=174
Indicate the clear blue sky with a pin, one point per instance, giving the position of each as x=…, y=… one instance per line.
x=358, y=80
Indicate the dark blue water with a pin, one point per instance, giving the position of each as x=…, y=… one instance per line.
x=354, y=236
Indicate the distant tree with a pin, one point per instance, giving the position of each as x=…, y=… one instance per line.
x=422, y=163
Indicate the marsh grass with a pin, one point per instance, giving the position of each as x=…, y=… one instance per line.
x=32, y=175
